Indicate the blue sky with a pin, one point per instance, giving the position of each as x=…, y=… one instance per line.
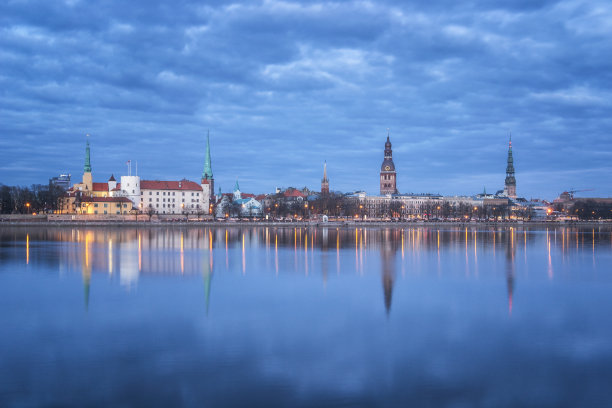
x=285, y=85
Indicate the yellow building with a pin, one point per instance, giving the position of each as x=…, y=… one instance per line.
x=104, y=205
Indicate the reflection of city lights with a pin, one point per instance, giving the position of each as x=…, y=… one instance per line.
x=27, y=249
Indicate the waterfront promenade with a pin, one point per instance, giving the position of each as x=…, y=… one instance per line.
x=144, y=221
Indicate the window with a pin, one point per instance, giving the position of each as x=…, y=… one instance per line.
x=192, y=194
x=150, y=199
x=183, y=193
x=150, y=192
x=96, y=205
x=164, y=193
x=105, y=205
x=157, y=199
x=118, y=212
x=104, y=211
x=95, y=212
x=133, y=192
x=173, y=193
x=157, y=193
x=183, y=200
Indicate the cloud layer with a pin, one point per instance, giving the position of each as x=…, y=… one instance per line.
x=283, y=86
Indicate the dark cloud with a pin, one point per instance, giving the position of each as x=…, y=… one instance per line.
x=284, y=86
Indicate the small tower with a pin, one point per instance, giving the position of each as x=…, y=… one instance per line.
x=237, y=193
x=208, y=182
x=510, y=183
x=87, y=177
x=387, y=171
x=325, y=181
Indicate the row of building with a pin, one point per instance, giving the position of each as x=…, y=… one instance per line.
x=133, y=194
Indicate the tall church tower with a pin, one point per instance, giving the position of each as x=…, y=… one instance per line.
x=208, y=182
x=87, y=178
x=510, y=184
x=325, y=181
x=387, y=172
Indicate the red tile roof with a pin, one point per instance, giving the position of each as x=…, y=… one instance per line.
x=106, y=199
x=247, y=195
x=169, y=185
x=100, y=186
x=293, y=193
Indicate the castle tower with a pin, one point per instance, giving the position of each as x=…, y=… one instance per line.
x=87, y=177
x=325, y=181
x=208, y=182
x=387, y=172
x=510, y=183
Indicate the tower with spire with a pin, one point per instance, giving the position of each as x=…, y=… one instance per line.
x=87, y=177
x=388, y=176
x=208, y=182
x=510, y=183
x=325, y=181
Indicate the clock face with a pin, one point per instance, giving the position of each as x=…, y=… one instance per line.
x=387, y=168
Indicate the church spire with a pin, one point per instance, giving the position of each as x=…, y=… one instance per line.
x=510, y=183
x=207, y=173
x=325, y=181
x=87, y=167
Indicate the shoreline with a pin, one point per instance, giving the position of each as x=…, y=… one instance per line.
x=305, y=224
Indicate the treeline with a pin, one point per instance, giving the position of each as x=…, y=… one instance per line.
x=38, y=198
x=591, y=210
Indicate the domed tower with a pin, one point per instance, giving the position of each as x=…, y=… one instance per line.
x=387, y=172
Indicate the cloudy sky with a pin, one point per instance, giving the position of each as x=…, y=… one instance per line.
x=284, y=86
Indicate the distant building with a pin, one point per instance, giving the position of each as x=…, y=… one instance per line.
x=388, y=177
x=63, y=181
x=238, y=204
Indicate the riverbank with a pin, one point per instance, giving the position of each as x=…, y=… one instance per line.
x=42, y=221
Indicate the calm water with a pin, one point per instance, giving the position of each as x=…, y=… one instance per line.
x=124, y=317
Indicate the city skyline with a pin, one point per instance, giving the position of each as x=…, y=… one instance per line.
x=286, y=86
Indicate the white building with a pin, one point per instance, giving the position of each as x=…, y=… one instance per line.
x=173, y=197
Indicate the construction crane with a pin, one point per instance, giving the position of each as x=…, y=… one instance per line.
x=572, y=191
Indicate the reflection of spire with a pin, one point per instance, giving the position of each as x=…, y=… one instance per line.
x=86, y=286
x=510, y=252
x=207, y=281
x=387, y=254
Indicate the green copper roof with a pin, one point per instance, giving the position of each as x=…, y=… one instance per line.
x=236, y=187
x=207, y=173
x=87, y=167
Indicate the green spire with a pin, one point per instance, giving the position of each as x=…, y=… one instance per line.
x=87, y=168
x=236, y=187
x=207, y=173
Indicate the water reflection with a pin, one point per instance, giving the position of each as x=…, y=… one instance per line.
x=130, y=253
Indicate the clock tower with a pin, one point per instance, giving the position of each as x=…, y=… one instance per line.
x=387, y=172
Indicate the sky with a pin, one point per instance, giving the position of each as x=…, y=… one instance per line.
x=283, y=86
